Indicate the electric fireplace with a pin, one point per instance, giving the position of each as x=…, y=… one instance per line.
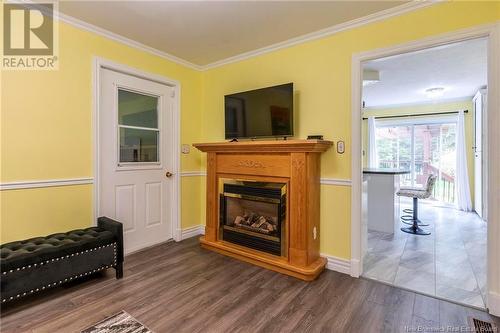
x=263, y=203
x=253, y=214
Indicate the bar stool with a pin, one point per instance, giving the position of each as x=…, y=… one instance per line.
x=415, y=194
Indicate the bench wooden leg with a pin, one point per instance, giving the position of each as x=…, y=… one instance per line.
x=119, y=270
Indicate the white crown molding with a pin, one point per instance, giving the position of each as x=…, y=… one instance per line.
x=77, y=23
x=124, y=40
x=45, y=183
x=192, y=232
x=337, y=264
x=193, y=174
x=378, y=16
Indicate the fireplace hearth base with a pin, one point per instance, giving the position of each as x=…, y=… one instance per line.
x=295, y=163
x=308, y=273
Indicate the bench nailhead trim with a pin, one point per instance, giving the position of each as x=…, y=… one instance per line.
x=65, y=280
x=67, y=256
x=55, y=283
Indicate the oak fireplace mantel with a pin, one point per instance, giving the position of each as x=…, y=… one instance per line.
x=293, y=166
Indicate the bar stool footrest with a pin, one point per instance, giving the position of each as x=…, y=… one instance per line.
x=415, y=231
x=406, y=219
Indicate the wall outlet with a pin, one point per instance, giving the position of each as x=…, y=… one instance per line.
x=185, y=149
x=340, y=147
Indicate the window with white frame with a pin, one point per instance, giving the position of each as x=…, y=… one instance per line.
x=138, y=128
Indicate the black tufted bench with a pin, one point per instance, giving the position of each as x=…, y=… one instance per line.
x=36, y=264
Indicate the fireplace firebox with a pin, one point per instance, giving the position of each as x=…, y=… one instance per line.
x=253, y=214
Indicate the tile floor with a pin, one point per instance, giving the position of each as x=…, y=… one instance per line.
x=450, y=263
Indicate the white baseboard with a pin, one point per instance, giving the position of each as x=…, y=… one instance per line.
x=337, y=264
x=192, y=232
x=355, y=268
x=493, y=304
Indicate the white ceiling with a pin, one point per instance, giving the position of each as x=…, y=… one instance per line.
x=460, y=68
x=203, y=32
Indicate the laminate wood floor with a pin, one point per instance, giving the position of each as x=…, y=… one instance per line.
x=180, y=287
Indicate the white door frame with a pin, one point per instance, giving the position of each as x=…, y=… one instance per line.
x=483, y=180
x=101, y=63
x=492, y=33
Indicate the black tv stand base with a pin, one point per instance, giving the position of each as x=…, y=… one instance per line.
x=255, y=139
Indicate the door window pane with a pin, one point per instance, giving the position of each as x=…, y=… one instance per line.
x=394, y=149
x=137, y=110
x=138, y=145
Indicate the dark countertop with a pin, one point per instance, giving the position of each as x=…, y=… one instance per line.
x=385, y=171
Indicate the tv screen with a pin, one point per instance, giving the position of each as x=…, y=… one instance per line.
x=266, y=112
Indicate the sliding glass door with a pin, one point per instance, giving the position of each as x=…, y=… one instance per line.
x=394, y=149
x=424, y=146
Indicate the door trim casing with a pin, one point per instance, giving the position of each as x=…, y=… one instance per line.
x=99, y=63
x=491, y=32
x=484, y=179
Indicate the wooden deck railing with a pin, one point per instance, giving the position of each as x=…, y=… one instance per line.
x=444, y=190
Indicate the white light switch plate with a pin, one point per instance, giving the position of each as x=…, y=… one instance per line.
x=185, y=149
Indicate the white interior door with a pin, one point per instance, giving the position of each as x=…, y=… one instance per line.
x=135, y=149
x=478, y=153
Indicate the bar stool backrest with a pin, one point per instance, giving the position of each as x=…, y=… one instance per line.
x=429, y=186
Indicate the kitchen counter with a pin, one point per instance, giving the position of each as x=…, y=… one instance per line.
x=382, y=205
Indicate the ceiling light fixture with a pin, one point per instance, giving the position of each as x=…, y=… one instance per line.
x=434, y=92
x=370, y=77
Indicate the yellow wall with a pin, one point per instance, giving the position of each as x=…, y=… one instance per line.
x=321, y=72
x=46, y=132
x=42, y=211
x=429, y=108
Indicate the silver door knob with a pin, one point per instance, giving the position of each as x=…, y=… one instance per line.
x=169, y=174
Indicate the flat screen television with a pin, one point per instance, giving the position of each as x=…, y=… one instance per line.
x=266, y=112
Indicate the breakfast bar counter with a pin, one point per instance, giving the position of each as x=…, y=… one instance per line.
x=382, y=205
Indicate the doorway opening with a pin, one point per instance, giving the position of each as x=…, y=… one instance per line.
x=424, y=229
